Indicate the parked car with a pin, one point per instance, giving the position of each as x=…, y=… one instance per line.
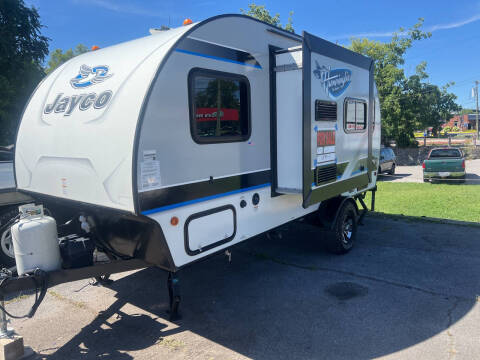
x=9, y=201
x=444, y=163
x=388, y=161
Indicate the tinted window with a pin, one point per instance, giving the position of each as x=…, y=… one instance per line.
x=219, y=106
x=355, y=115
x=445, y=153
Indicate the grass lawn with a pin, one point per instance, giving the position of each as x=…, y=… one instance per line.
x=445, y=201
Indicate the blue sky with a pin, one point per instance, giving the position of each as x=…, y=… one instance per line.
x=452, y=53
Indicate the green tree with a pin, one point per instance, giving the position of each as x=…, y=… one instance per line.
x=261, y=13
x=409, y=103
x=465, y=111
x=58, y=57
x=22, y=50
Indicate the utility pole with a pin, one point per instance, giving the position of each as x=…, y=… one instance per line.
x=476, y=99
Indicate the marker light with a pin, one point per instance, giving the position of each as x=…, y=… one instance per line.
x=174, y=221
x=187, y=21
x=95, y=47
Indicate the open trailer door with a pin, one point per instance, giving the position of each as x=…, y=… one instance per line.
x=324, y=115
x=338, y=103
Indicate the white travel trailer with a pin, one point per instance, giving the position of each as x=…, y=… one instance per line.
x=181, y=144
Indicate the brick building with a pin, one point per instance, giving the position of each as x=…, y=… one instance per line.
x=464, y=122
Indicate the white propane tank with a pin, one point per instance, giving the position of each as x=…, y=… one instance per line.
x=35, y=241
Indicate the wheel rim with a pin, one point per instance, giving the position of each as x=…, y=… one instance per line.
x=347, y=230
x=7, y=243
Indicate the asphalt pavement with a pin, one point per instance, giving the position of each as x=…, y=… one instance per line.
x=408, y=290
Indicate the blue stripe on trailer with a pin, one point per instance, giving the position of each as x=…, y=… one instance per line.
x=185, y=203
x=257, y=66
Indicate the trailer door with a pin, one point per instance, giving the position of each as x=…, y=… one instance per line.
x=323, y=116
x=337, y=113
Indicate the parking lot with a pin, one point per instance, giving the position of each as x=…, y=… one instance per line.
x=415, y=173
x=408, y=290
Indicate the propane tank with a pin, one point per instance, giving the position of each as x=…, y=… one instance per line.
x=35, y=241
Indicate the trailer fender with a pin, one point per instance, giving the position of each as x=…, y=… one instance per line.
x=330, y=209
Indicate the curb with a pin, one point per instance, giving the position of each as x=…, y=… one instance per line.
x=423, y=219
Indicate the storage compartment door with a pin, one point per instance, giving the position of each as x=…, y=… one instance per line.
x=208, y=229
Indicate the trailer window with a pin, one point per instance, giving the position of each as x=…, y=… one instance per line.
x=219, y=106
x=355, y=115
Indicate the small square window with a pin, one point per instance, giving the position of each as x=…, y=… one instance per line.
x=355, y=114
x=219, y=106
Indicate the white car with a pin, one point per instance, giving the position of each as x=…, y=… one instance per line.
x=7, y=187
x=9, y=201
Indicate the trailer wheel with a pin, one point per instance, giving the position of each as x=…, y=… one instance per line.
x=345, y=230
x=7, y=257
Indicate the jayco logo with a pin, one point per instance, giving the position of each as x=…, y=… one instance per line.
x=335, y=81
x=89, y=76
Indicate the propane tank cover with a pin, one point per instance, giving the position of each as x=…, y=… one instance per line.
x=35, y=244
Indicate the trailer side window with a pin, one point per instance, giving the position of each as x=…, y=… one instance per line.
x=355, y=114
x=219, y=106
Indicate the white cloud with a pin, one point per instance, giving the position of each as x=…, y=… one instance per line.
x=430, y=29
x=455, y=24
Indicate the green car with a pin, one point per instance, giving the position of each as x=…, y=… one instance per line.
x=444, y=164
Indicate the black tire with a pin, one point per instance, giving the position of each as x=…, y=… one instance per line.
x=425, y=180
x=379, y=170
x=392, y=170
x=345, y=230
x=7, y=258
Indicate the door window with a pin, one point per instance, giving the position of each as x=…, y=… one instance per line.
x=355, y=114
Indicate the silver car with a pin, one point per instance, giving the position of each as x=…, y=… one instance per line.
x=388, y=161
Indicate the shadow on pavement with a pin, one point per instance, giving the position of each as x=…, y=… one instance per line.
x=288, y=299
x=388, y=177
x=470, y=179
x=111, y=334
